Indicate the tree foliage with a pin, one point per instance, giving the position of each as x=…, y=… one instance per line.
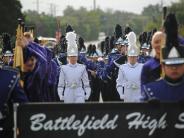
x=154, y=13
x=10, y=11
x=177, y=8
x=45, y=25
x=87, y=23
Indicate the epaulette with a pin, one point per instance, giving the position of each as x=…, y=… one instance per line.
x=117, y=64
x=1, y=65
x=8, y=68
x=158, y=79
x=79, y=64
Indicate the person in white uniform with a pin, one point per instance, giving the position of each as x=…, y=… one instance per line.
x=129, y=76
x=73, y=86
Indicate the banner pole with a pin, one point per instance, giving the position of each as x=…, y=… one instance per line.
x=15, y=106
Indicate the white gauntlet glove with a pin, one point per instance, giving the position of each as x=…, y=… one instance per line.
x=88, y=92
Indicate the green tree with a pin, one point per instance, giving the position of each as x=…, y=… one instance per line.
x=177, y=8
x=154, y=17
x=10, y=11
x=154, y=14
x=45, y=25
x=152, y=10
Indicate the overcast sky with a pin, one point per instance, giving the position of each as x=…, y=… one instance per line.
x=135, y=6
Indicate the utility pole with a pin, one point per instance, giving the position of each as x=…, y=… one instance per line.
x=52, y=9
x=94, y=5
x=37, y=6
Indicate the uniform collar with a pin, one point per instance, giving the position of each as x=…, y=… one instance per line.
x=132, y=66
x=73, y=65
x=59, y=62
x=1, y=64
x=174, y=82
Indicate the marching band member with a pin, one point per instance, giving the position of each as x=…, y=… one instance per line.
x=73, y=86
x=10, y=91
x=171, y=86
x=7, y=55
x=145, y=47
x=152, y=69
x=128, y=81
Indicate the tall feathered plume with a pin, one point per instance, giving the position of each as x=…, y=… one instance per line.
x=81, y=43
x=6, y=43
x=63, y=44
x=112, y=40
x=131, y=38
x=143, y=38
x=72, y=49
x=152, y=33
x=69, y=28
x=164, y=12
x=133, y=49
x=71, y=39
x=102, y=46
x=172, y=53
x=171, y=30
x=127, y=30
x=118, y=31
x=107, y=45
x=149, y=35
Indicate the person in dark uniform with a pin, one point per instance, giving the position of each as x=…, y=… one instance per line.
x=51, y=77
x=171, y=86
x=7, y=52
x=108, y=72
x=115, y=52
x=111, y=71
x=10, y=92
x=35, y=65
x=145, y=47
x=123, y=58
x=151, y=70
x=145, y=51
x=94, y=80
x=7, y=58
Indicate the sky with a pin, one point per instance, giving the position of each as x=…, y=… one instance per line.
x=135, y=6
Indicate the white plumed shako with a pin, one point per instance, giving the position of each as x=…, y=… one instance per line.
x=133, y=49
x=72, y=49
